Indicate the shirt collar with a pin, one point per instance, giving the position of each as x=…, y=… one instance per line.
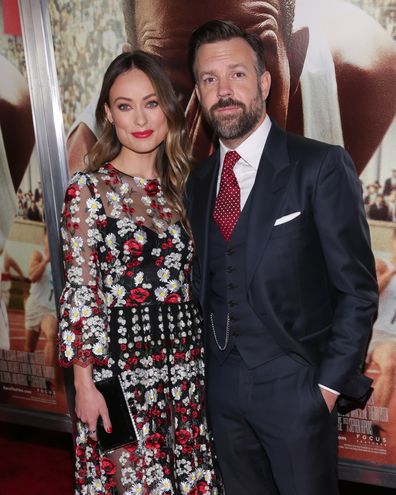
x=251, y=149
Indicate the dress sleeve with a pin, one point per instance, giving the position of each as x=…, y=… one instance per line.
x=83, y=329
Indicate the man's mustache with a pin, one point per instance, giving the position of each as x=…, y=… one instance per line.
x=227, y=102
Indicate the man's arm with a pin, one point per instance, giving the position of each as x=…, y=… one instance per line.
x=344, y=235
x=37, y=265
x=10, y=263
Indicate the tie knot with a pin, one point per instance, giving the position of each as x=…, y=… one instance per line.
x=230, y=159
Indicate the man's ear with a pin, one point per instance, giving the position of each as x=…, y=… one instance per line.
x=265, y=83
x=108, y=114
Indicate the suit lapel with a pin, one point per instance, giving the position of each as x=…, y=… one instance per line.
x=268, y=192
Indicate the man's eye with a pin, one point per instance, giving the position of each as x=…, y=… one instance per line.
x=208, y=80
x=239, y=75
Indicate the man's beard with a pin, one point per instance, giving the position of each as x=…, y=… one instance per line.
x=234, y=126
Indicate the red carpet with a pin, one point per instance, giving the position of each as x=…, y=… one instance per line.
x=40, y=462
x=35, y=461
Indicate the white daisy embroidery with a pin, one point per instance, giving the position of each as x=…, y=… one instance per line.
x=173, y=285
x=74, y=315
x=76, y=243
x=92, y=205
x=110, y=240
x=163, y=274
x=118, y=291
x=140, y=236
x=86, y=311
x=98, y=349
x=161, y=293
x=68, y=336
x=113, y=197
x=69, y=353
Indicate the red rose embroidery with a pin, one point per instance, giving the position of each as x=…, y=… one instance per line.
x=71, y=191
x=80, y=452
x=182, y=436
x=172, y=298
x=154, y=441
x=195, y=430
x=202, y=487
x=139, y=295
x=133, y=247
x=108, y=466
x=151, y=188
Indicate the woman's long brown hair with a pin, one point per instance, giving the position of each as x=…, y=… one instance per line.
x=174, y=159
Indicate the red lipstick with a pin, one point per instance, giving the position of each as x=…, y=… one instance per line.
x=142, y=134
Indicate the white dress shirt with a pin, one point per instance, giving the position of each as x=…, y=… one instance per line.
x=246, y=168
x=250, y=152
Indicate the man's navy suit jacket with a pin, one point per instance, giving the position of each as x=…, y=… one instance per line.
x=310, y=280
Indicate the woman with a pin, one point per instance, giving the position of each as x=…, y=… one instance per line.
x=126, y=306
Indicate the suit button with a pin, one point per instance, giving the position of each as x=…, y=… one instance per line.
x=232, y=304
x=230, y=269
x=230, y=251
x=231, y=286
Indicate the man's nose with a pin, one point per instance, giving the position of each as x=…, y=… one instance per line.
x=224, y=88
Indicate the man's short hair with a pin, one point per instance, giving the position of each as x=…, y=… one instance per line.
x=216, y=30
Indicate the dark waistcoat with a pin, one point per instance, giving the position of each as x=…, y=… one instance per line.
x=228, y=299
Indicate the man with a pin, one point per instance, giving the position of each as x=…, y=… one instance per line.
x=40, y=311
x=390, y=184
x=327, y=80
x=287, y=279
x=379, y=209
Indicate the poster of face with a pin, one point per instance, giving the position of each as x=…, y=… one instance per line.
x=29, y=375
x=332, y=84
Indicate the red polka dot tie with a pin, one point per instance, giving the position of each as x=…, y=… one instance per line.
x=228, y=202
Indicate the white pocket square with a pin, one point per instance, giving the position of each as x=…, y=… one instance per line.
x=287, y=218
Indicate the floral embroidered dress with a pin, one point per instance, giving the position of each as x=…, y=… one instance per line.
x=127, y=309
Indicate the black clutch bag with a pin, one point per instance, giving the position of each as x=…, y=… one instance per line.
x=124, y=429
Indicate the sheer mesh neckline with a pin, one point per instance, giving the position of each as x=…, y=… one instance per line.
x=136, y=177
x=134, y=200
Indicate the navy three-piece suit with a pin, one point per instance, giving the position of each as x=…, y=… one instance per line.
x=293, y=294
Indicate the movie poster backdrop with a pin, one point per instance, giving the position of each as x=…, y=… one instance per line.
x=333, y=79
x=30, y=379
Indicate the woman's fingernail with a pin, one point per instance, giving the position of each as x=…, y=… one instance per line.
x=109, y=429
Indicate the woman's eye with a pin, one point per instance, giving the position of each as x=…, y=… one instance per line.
x=124, y=106
x=152, y=104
